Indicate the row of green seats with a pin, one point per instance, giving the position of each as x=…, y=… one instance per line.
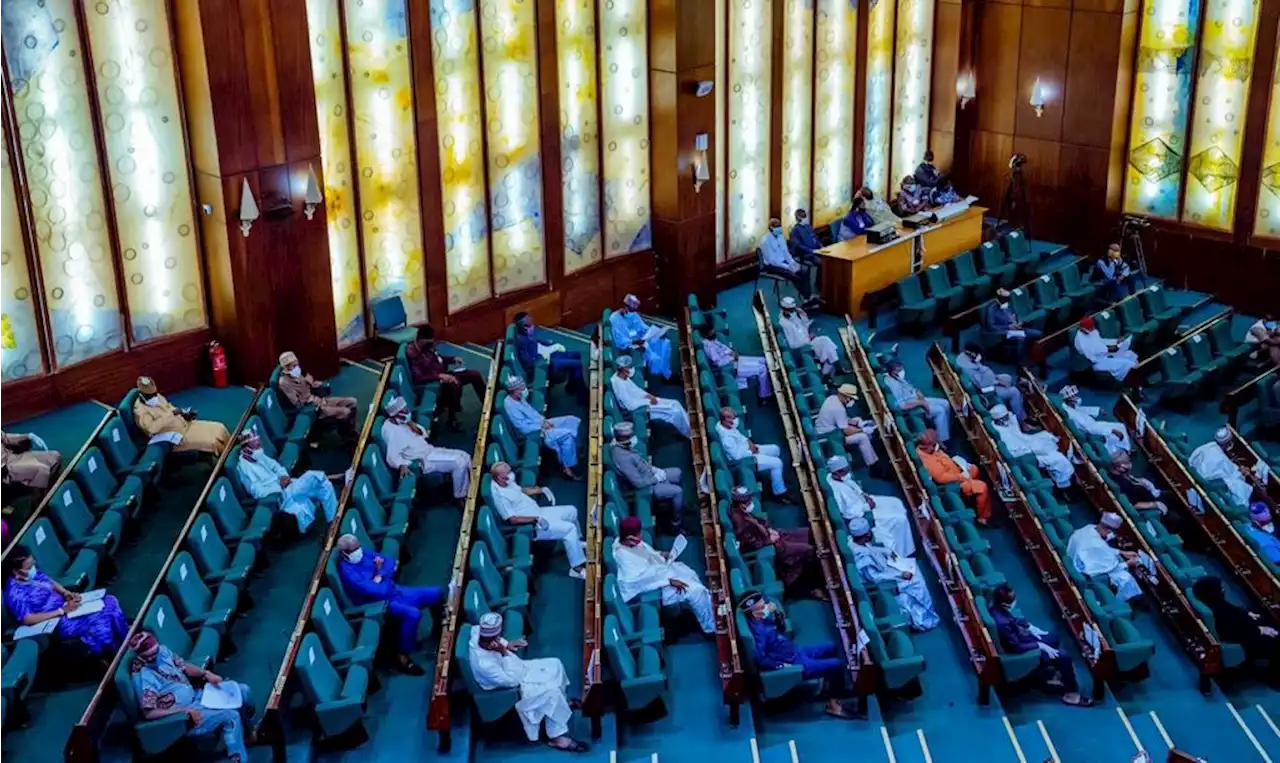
x=1197, y=366
x=1146, y=317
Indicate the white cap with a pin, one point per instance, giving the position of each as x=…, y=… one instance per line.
x=998, y=411
x=837, y=463
x=1070, y=391
x=514, y=383
x=396, y=405
x=1222, y=436
x=631, y=301
x=490, y=625
x=859, y=526
x=623, y=361
x=788, y=303
x=1112, y=520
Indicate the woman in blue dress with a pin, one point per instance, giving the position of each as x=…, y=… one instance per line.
x=32, y=597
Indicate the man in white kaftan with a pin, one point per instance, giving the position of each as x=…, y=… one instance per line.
x=630, y=396
x=261, y=475
x=629, y=331
x=406, y=444
x=893, y=526
x=559, y=433
x=1086, y=417
x=797, y=328
x=1212, y=462
x=641, y=569
x=517, y=506
x=879, y=565
x=834, y=414
x=1043, y=445
x=1108, y=356
x=1089, y=550
x=745, y=367
x=737, y=446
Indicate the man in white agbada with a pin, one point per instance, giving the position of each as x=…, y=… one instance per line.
x=630, y=396
x=1092, y=555
x=797, y=327
x=878, y=565
x=641, y=569
x=907, y=397
x=542, y=683
x=406, y=444
x=559, y=433
x=893, y=526
x=737, y=446
x=834, y=414
x=261, y=475
x=1086, y=417
x=1043, y=445
x=517, y=506
x=1108, y=356
x=1213, y=462
x=745, y=367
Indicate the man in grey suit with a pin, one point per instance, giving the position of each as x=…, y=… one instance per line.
x=1001, y=386
x=639, y=473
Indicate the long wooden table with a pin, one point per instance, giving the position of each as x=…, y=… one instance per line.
x=854, y=269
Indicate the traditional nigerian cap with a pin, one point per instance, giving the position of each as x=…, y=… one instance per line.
x=145, y=644
x=1222, y=436
x=490, y=625
x=287, y=358
x=629, y=526
x=146, y=385
x=248, y=435
x=623, y=361
x=1112, y=520
x=741, y=494
x=396, y=405
x=1002, y=293
x=631, y=301
x=623, y=430
x=837, y=463
x=750, y=600
x=514, y=383
x=928, y=437
x=788, y=303
x=859, y=526
x=848, y=390
x=1087, y=323
x=998, y=411
x=1259, y=511
x=1070, y=390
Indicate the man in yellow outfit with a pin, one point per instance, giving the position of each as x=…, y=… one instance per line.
x=162, y=421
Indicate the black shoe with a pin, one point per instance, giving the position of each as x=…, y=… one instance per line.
x=455, y=426
x=411, y=668
x=784, y=498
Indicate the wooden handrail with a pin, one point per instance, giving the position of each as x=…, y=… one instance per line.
x=1071, y=606
x=1143, y=369
x=1195, y=636
x=953, y=325
x=594, y=699
x=983, y=655
x=81, y=747
x=1046, y=345
x=1233, y=400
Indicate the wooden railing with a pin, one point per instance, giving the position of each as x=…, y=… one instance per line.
x=1071, y=606
x=732, y=682
x=858, y=659
x=1041, y=349
x=1195, y=637
x=438, y=716
x=81, y=746
x=594, y=698
x=1245, y=455
x=983, y=655
x=954, y=325
x=1148, y=365
x=1234, y=400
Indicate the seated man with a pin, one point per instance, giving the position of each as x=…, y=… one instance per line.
x=637, y=473
x=1000, y=387
x=300, y=389
x=427, y=365
x=1263, y=531
x=1043, y=445
x=1107, y=356
x=908, y=398
x=1000, y=318
x=368, y=577
x=944, y=193
x=776, y=650
x=561, y=364
x=1090, y=550
x=261, y=475
x=162, y=682
x=893, y=526
x=21, y=464
x=927, y=174
x=641, y=569
x=630, y=396
x=406, y=444
x=1017, y=636
x=877, y=564
x=745, y=368
x=1086, y=417
x=558, y=433
x=516, y=506
x=879, y=210
x=856, y=220
x=1114, y=275
x=911, y=198
x=775, y=257
x=804, y=242
x=1237, y=625
x=542, y=682
x=162, y=421
x=1141, y=493
x=1264, y=338
x=834, y=414
x=630, y=331
x=795, y=557
x=798, y=328
x=1213, y=461
x=32, y=597
x=737, y=446
x=948, y=470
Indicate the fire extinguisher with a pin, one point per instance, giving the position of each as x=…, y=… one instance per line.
x=218, y=362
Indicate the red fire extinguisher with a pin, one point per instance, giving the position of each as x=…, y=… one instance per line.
x=218, y=361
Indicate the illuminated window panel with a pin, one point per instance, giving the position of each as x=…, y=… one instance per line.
x=55, y=136
x=912, y=70
x=797, y=108
x=19, y=333
x=721, y=95
x=510, y=68
x=833, y=117
x=1162, y=92
x=875, y=160
x=624, y=67
x=1268, y=220
x=750, y=75
x=579, y=132
x=386, y=153
x=1217, y=125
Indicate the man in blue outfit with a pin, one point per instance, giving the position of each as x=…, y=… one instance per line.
x=1263, y=531
x=1000, y=318
x=1017, y=636
x=562, y=365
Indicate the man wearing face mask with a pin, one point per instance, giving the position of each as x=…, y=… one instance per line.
x=1264, y=338
x=881, y=566
x=856, y=220
x=1140, y=492
x=559, y=433
x=427, y=365
x=775, y=649
x=24, y=460
x=893, y=526
x=1090, y=550
x=745, y=367
x=642, y=568
x=911, y=198
x=1263, y=531
x=300, y=389
x=1114, y=275
x=834, y=415
x=631, y=397
x=163, y=421
x=1213, y=461
x=518, y=506
x=406, y=444
x=948, y=470
x=798, y=329
x=1107, y=356
x=1042, y=445
x=804, y=242
x=775, y=257
x=1017, y=636
x=639, y=473
x=1000, y=387
x=630, y=331
x=261, y=475
x=1000, y=318
x=1086, y=417
x=795, y=558
x=561, y=364
x=370, y=577
x=737, y=446
x=906, y=398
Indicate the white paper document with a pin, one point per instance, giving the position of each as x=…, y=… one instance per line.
x=93, y=595
x=173, y=438
x=224, y=696
x=39, y=629
x=677, y=547
x=87, y=608
x=550, y=496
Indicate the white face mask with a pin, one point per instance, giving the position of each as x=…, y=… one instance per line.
x=625, y=443
x=152, y=401
x=977, y=358
x=750, y=507
x=295, y=372
x=732, y=423
x=776, y=231
x=1269, y=527
x=1004, y=305
x=900, y=374
x=355, y=556
x=30, y=573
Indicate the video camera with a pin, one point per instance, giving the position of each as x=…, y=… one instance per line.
x=1017, y=161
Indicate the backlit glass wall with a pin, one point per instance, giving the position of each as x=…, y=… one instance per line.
x=797, y=108
x=749, y=108
x=19, y=333
x=1267, y=222
x=624, y=67
x=912, y=70
x=579, y=132
x=879, y=99
x=834, y=88
x=721, y=94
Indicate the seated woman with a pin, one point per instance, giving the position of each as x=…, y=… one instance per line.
x=795, y=556
x=33, y=598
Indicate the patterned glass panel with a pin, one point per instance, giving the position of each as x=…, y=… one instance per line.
x=750, y=83
x=624, y=68
x=1268, y=221
x=386, y=152
x=19, y=334
x=912, y=70
x=335, y=159
x=833, y=117
x=875, y=161
x=721, y=94
x=456, y=55
x=1157, y=131
x=579, y=132
x=55, y=135
x=1217, y=128
x=797, y=108
x=510, y=67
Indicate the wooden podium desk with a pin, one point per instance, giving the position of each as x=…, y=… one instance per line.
x=855, y=268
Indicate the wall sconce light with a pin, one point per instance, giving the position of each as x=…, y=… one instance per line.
x=313, y=197
x=248, y=208
x=966, y=88
x=700, y=172
x=1037, y=97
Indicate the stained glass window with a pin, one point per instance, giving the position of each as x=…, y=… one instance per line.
x=1268, y=218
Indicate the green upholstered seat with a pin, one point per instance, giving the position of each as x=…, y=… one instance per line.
x=505, y=590
x=79, y=527
x=996, y=265
x=637, y=669
x=950, y=297
x=915, y=310
x=197, y=603
x=977, y=287
x=235, y=523
x=102, y=489
x=379, y=522
x=79, y=572
x=216, y=562
x=337, y=699
x=346, y=642
x=125, y=457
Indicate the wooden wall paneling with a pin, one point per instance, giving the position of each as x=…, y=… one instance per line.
x=1092, y=60
x=197, y=96
x=1081, y=213
x=261, y=81
x=943, y=101
x=989, y=154
x=694, y=115
x=310, y=273
x=435, y=265
x=300, y=129
x=231, y=129
x=664, y=149
x=859, y=98
x=1125, y=69
x=549, y=111
x=998, y=29
x=1045, y=38
x=1041, y=175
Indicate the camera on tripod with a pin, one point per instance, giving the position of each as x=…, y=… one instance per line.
x=1017, y=161
x=1134, y=223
